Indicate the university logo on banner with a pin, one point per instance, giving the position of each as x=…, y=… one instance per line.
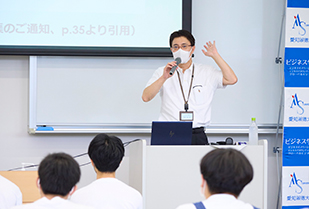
x=296, y=65
x=297, y=31
x=295, y=187
x=296, y=112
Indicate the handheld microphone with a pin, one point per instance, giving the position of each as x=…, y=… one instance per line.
x=178, y=61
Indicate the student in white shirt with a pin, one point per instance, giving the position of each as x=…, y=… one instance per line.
x=225, y=172
x=58, y=176
x=10, y=194
x=106, y=153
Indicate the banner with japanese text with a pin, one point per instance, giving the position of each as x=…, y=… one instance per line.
x=295, y=143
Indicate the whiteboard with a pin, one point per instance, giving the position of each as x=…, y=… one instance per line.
x=83, y=90
x=105, y=90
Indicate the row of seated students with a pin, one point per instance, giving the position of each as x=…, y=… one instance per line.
x=224, y=173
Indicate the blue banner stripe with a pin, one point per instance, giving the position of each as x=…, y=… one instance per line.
x=295, y=207
x=296, y=67
x=295, y=148
x=298, y=3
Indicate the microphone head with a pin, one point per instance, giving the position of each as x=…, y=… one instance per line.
x=178, y=60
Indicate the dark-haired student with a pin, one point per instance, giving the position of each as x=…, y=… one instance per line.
x=225, y=172
x=58, y=175
x=191, y=87
x=106, y=153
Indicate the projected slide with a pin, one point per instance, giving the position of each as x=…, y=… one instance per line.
x=94, y=23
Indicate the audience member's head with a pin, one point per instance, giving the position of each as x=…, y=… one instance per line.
x=225, y=171
x=58, y=174
x=106, y=152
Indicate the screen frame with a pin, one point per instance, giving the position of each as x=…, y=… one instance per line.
x=101, y=51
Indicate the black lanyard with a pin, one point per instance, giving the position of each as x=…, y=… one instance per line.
x=183, y=95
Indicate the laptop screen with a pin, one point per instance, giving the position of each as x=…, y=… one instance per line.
x=171, y=133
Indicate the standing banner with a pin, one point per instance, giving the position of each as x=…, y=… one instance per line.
x=295, y=148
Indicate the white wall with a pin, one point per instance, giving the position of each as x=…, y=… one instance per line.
x=247, y=36
x=17, y=146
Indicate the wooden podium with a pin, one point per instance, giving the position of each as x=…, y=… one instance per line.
x=27, y=183
x=168, y=176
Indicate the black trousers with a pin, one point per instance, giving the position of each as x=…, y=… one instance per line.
x=199, y=137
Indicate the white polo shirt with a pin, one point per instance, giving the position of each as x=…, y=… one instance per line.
x=10, y=194
x=205, y=82
x=108, y=193
x=220, y=201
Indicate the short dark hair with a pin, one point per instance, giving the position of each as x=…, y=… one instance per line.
x=183, y=33
x=106, y=152
x=226, y=171
x=58, y=173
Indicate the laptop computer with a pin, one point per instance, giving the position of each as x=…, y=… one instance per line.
x=171, y=133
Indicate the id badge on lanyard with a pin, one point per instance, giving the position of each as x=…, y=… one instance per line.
x=186, y=115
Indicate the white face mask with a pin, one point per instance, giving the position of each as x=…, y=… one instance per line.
x=184, y=55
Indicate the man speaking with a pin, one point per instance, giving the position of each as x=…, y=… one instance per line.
x=187, y=90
